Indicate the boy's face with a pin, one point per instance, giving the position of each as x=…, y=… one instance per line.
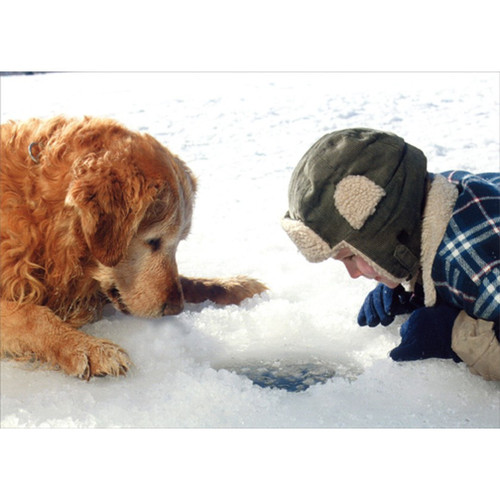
x=356, y=266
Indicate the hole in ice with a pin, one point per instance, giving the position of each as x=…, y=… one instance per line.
x=289, y=375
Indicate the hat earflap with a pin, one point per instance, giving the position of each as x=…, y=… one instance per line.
x=313, y=247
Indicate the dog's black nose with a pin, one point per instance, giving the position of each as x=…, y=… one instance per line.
x=170, y=309
x=174, y=301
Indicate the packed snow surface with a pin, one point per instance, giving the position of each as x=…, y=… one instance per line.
x=294, y=356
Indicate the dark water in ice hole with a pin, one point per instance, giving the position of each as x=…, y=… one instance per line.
x=288, y=375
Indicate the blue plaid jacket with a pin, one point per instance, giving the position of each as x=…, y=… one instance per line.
x=466, y=269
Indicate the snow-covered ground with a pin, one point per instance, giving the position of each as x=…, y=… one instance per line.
x=242, y=134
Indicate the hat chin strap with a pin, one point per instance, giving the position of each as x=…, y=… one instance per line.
x=316, y=249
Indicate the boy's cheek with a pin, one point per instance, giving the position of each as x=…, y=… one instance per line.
x=364, y=268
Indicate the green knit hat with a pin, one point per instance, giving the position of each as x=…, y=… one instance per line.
x=363, y=189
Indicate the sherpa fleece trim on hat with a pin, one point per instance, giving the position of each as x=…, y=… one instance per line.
x=313, y=247
x=356, y=198
x=380, y=271
x=437, y=213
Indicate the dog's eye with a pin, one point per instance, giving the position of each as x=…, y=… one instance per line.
x=154, y=244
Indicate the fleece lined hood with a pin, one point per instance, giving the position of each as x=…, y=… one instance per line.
x=363, y=189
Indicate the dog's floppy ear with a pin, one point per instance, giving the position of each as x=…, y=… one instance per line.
x=107, y=205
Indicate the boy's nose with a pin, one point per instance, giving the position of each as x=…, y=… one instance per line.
x=352, y=269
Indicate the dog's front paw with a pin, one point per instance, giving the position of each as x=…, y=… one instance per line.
x=240, y=288
x=93, y=357
x=222, y=291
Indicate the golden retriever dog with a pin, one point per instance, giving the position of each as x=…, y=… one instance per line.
x=91, y=213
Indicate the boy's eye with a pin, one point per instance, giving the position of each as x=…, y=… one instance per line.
x=154, y=244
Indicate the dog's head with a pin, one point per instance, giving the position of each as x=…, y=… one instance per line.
x=134, y=200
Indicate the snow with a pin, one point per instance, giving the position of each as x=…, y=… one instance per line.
x=242, y=134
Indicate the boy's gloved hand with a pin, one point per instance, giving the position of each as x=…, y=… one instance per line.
x=427, y=334
x=383, y=303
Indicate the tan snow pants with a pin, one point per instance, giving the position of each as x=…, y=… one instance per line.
x=475, y=342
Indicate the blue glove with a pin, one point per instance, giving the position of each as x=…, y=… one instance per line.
x=383, y=303
x=427, y=334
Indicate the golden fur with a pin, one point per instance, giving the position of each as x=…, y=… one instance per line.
x=91, y=213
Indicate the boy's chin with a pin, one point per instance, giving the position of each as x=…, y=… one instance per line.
x=386, y=282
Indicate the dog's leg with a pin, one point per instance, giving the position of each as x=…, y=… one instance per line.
x=220, y=290
x=31, y=332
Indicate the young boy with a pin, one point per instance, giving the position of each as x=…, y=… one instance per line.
x=364, y=197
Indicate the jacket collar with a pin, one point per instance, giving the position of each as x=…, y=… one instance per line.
x=438, y=210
